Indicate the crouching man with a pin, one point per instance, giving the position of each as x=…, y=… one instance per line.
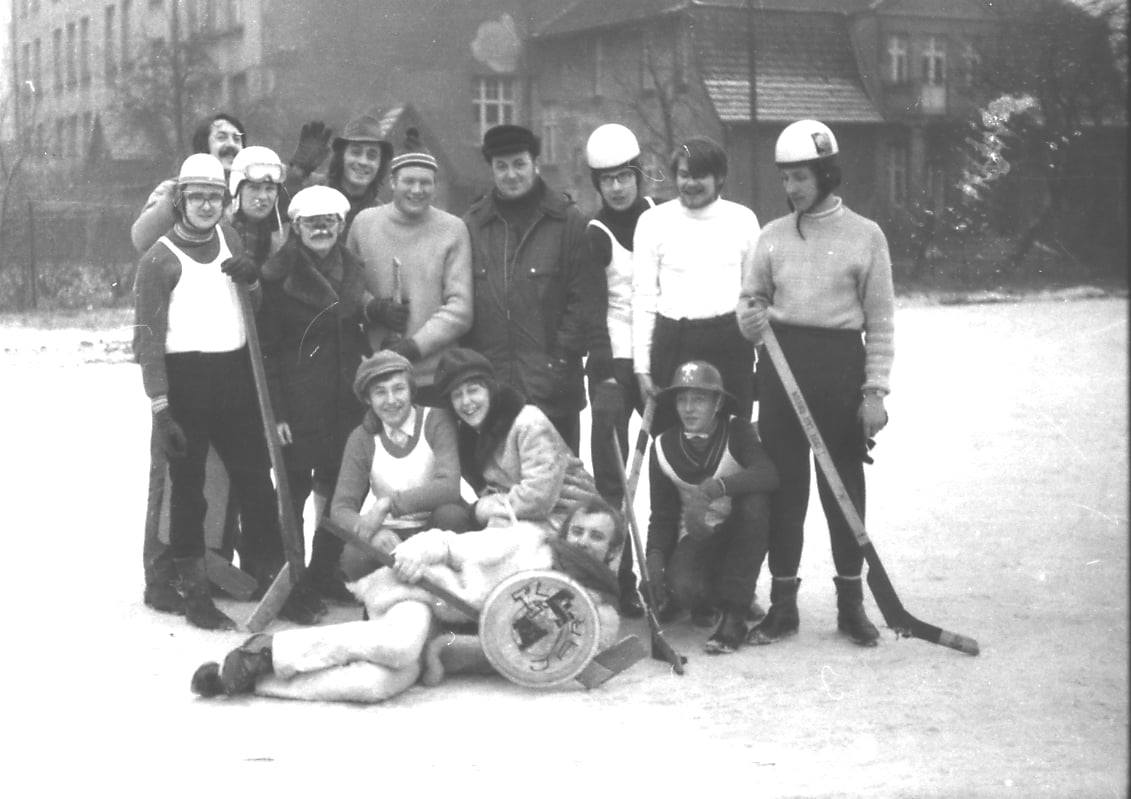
x=710, y=489
x=373, y=660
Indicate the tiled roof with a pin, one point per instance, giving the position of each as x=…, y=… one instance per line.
x=805, y=67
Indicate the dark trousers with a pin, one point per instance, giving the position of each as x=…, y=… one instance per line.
x=604, y=431
x=722, y=569
x=238, y=439
x=717, y=341
x=568, y=426
x=829, y=368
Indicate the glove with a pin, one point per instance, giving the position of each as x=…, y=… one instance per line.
x=712, y=488
x=172, y=437
x=752, y=318
x=695, y=515
x=241, y=269
x=388, y=312
x=406, y=347
x=872, y=414
x=608, y=405
x=313, y=147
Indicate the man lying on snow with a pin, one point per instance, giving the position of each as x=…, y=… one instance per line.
x=412, y=635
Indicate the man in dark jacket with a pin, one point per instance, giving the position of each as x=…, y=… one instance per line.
x=539, y=300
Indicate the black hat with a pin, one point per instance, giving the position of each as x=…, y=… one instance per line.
x=507, y=139
x=458, y=365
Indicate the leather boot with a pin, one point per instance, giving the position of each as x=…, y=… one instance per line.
x=782, y=619
x=850, y=617
x=730, y=633
x=199, y=608
x=206, y=680
x=324, y=576
x=161, y=592
x=246, y=663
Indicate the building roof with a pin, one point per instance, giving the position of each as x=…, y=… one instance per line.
x=804, y=68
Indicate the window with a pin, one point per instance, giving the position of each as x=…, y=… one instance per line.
x=57, y=53
x=72, y=78
x=84, y=51
x=125, y=25
x=109, y=64
x=971, y=61
x=493, y=102
x=897, y=59
x=898, y=157
x=37, y=65
x=934, y=61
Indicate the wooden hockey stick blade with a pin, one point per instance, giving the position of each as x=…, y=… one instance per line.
x=233, y=580
x=273, y=600
x=612, y=661
x=895, y=616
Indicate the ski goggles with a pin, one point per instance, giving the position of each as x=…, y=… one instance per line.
x=264, y=173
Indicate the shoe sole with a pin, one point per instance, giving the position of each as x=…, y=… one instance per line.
x=759, y=638
x=719, y=648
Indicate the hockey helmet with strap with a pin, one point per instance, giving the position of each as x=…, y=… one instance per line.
x=803, y=141
x=611, y=145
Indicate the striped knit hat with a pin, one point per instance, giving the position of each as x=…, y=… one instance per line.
x=413, y=154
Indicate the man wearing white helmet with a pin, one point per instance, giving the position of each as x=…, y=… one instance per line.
x=613, y=154
x=689, y=258
x=313, y=340
x=821, y=277
x=191, y=343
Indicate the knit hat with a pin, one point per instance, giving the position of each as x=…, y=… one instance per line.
x=458, y=365
x=413, y=154
x=385, y=362
x=507, y=139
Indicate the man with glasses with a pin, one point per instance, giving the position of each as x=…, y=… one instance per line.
x=613, y=154
x=191, y=342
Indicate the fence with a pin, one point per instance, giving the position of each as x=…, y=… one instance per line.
x=61, y=254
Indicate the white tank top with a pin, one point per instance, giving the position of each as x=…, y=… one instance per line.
x=391, y=473
x=618, y=275
x=718, y=510
x=204, y=308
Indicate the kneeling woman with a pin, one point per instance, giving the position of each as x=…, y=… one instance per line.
x=510, y=453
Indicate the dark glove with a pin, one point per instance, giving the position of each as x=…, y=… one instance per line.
x=313, y=147
x=608, y=405
x=406, y=347
x=241, y=269
x=388, y=312
x=172, y=437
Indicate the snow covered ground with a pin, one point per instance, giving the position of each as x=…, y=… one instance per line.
x=998, y=502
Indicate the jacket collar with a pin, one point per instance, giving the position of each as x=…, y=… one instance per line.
x=552, y=203
x=301, y=279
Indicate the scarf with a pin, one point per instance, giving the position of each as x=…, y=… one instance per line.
x=586, y=569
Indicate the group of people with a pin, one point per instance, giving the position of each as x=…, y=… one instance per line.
x=407, y=349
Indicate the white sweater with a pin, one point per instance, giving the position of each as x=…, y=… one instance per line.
x=688, y=263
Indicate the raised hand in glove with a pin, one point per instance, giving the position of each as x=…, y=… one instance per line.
x=172, y=437
x=388, y=312
x=241, y=269
x=313, y=147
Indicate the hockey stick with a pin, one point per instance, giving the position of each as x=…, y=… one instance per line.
x=661, y=648
x=605, y=664
x=276, y=595
x=896, y=617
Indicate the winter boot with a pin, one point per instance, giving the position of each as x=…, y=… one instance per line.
x=730, y=633
x=303, y=605
x=326, y=582
x=850, y=618
x=245, y=664
x=206, y=680
x=199, y=608
x=755, y=613
x=782, y=620
x=161, y=592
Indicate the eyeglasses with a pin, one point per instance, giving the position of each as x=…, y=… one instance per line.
x=264, y=173
x=200, y=197
x=625, y=176
x=316, y=222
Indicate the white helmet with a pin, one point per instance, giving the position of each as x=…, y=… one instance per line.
x=805, y=140
x=257, y=164
x=202, y=168
x=318, y=201
x=611, y=145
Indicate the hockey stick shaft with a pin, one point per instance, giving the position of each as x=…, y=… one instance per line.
x=661, y=648
x=894, y=613
x=275, y=597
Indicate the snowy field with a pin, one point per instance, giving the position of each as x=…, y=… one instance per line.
x=998, y=502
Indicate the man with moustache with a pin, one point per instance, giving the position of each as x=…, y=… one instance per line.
x=690, y=258
x=418, y=262
x=539, y=299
